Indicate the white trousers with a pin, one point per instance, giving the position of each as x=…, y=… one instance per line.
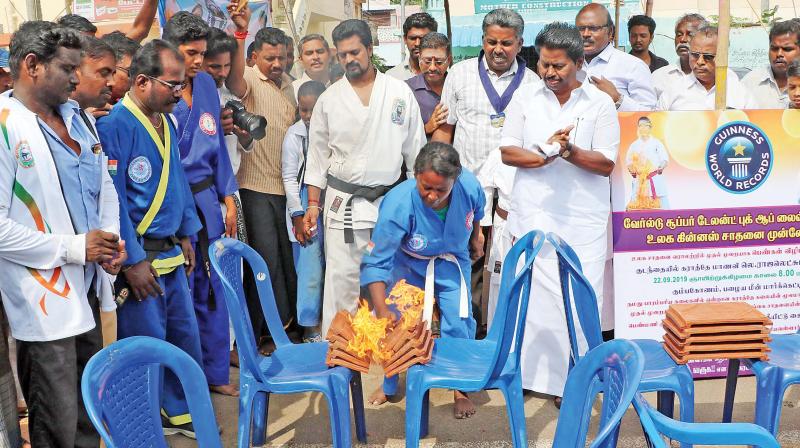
x=342, y=273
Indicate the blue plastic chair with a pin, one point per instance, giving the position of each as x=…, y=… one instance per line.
x=614, y=369
x=773, y=377
x=656, y=424
x=291, y=367
x=662, y=374
x=472, y=365
x=121, y=387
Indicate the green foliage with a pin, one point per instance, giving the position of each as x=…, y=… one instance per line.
x=768, y=17
x=379, y=63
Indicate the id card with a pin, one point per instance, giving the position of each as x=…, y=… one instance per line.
x=498, y=120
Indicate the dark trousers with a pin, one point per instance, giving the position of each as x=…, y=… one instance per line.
x=265, y=219
x=10, y=436
x=50, y=375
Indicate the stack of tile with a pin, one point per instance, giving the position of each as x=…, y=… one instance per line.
x=716, y=330
x=339, y=353
x=406, y=347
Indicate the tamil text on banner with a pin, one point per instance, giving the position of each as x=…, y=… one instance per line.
x=215, y=13
x=705, y=208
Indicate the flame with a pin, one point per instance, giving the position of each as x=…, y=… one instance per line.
x=408, y=300
x=369, y=332
x=644, y=199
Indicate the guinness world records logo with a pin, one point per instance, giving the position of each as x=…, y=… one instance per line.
x=739, y=157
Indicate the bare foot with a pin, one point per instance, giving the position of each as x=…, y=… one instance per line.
x=266, y=347
x=378, y=397
x=463, y=407
x=226, y=389
x=26, y=444
x=557, y=402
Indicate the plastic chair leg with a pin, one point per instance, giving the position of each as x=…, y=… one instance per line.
x=769, y=399
x=414, y=401
x=339, y=405
x=245, y=414
x=357, y=394
x=686, y=403
x=260, y=409
x=731, y=379
x=516, y=412
x=424, y=419
x=666, y=402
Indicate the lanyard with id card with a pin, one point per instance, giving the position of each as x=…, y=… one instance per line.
x=499, y=103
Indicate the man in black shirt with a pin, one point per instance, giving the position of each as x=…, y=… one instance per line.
x=641, y=30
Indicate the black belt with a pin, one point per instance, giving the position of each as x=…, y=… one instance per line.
x=357, y=191
x=154, y=246
x=204, y=184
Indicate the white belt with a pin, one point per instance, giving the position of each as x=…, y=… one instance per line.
x=427, y=304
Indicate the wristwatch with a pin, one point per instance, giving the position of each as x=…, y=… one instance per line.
x=566, y=152
x=618, y=103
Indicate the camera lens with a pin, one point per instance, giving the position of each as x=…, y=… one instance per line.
x=255, y=125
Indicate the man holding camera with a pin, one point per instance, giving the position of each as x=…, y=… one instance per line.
x=205, y=160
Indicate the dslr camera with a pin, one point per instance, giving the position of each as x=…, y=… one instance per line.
x=254, y=124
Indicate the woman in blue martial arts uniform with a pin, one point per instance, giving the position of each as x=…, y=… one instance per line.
x=430, y=220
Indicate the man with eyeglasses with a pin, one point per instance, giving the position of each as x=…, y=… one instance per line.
x=698, y=90
x=415, y=27
x=157, y=216
x=768, y=85
x=434, y=60
x=625, y=78
x=685, y=28
x=205, y=160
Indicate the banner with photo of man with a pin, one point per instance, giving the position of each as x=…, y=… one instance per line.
x=215, y=13
x=706, y=208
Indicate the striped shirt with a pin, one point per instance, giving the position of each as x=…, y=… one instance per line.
x=260, y=169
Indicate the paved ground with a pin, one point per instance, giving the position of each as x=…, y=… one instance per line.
x=301, y=420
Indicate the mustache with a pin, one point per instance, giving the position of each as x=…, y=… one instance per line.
x=352, y=65
x=588, y=40
x=682, y=47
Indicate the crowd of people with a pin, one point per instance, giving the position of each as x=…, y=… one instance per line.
x=122, y=163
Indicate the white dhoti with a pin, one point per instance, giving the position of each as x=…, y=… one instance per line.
x=545, y=346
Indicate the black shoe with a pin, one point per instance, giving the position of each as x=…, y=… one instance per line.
x=187, y=429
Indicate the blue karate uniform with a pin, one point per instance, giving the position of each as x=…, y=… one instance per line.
x=406, y=225
x=135, y=165
x=205, y=160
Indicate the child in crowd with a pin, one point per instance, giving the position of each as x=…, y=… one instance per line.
x=309, y=258
x=793, y=85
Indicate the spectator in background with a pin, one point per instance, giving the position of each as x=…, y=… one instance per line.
x=625, y=78
x=124, y=48
x=315, y=56
x=793, y=84
x=78, y=23
x=434, y=60
x=5, y=72
x=251, y=54
x=685, y=28
x=641, y=30
x=96, y=74
x=50, y=276
x=415, y=27
x=698, y=91
x=266, y=90
x=290, y=58
x=768, y=85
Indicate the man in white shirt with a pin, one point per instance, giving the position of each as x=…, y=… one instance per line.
x=698, y=90
x=685, y=28
x=768, y=84
x=646, y=160
x=563, y=138
x=315, y=56
x=364, y=127
x=416, y=26
x=625, y=78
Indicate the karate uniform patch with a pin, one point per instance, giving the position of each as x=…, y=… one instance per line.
x=398, y=111
x=24, y=155
x=207, y=124
x=112, y=167
x=140, y=170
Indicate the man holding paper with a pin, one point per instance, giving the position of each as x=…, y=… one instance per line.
x=563, y=139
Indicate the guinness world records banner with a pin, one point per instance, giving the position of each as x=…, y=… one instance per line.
x=720, y=221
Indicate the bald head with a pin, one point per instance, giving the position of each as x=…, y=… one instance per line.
x=596, y=27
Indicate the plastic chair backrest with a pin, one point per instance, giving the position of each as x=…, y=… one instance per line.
x=226, y=255
x=613, y=368
x=512, y=301
x=656, y=424
x=583, y=294
x=121, y=389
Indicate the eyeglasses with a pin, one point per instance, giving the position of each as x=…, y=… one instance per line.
x=126, y=70
x=434, y=61
x=175, y=87
x=708, y=57
x=592, y=28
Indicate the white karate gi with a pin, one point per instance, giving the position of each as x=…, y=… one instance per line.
x=562, y=198
x=363, y=145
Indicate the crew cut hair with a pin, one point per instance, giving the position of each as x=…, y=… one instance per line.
x=793, y=70
x=43, y=39
x=220, y=42
x=270, y=36
x=691, y=17
x=786, y=27
x=147, y=60
x=561, y=36
x=311, y=38
x=504, y=18
x=311, y=88
x=707, y=31
x=441, y=158
x=185, y=27
x=77, y=23
x=435, y=40
x=642, y=20
x=352, y=27
x=94, y=48
x=420, y=20
x=122, y=44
